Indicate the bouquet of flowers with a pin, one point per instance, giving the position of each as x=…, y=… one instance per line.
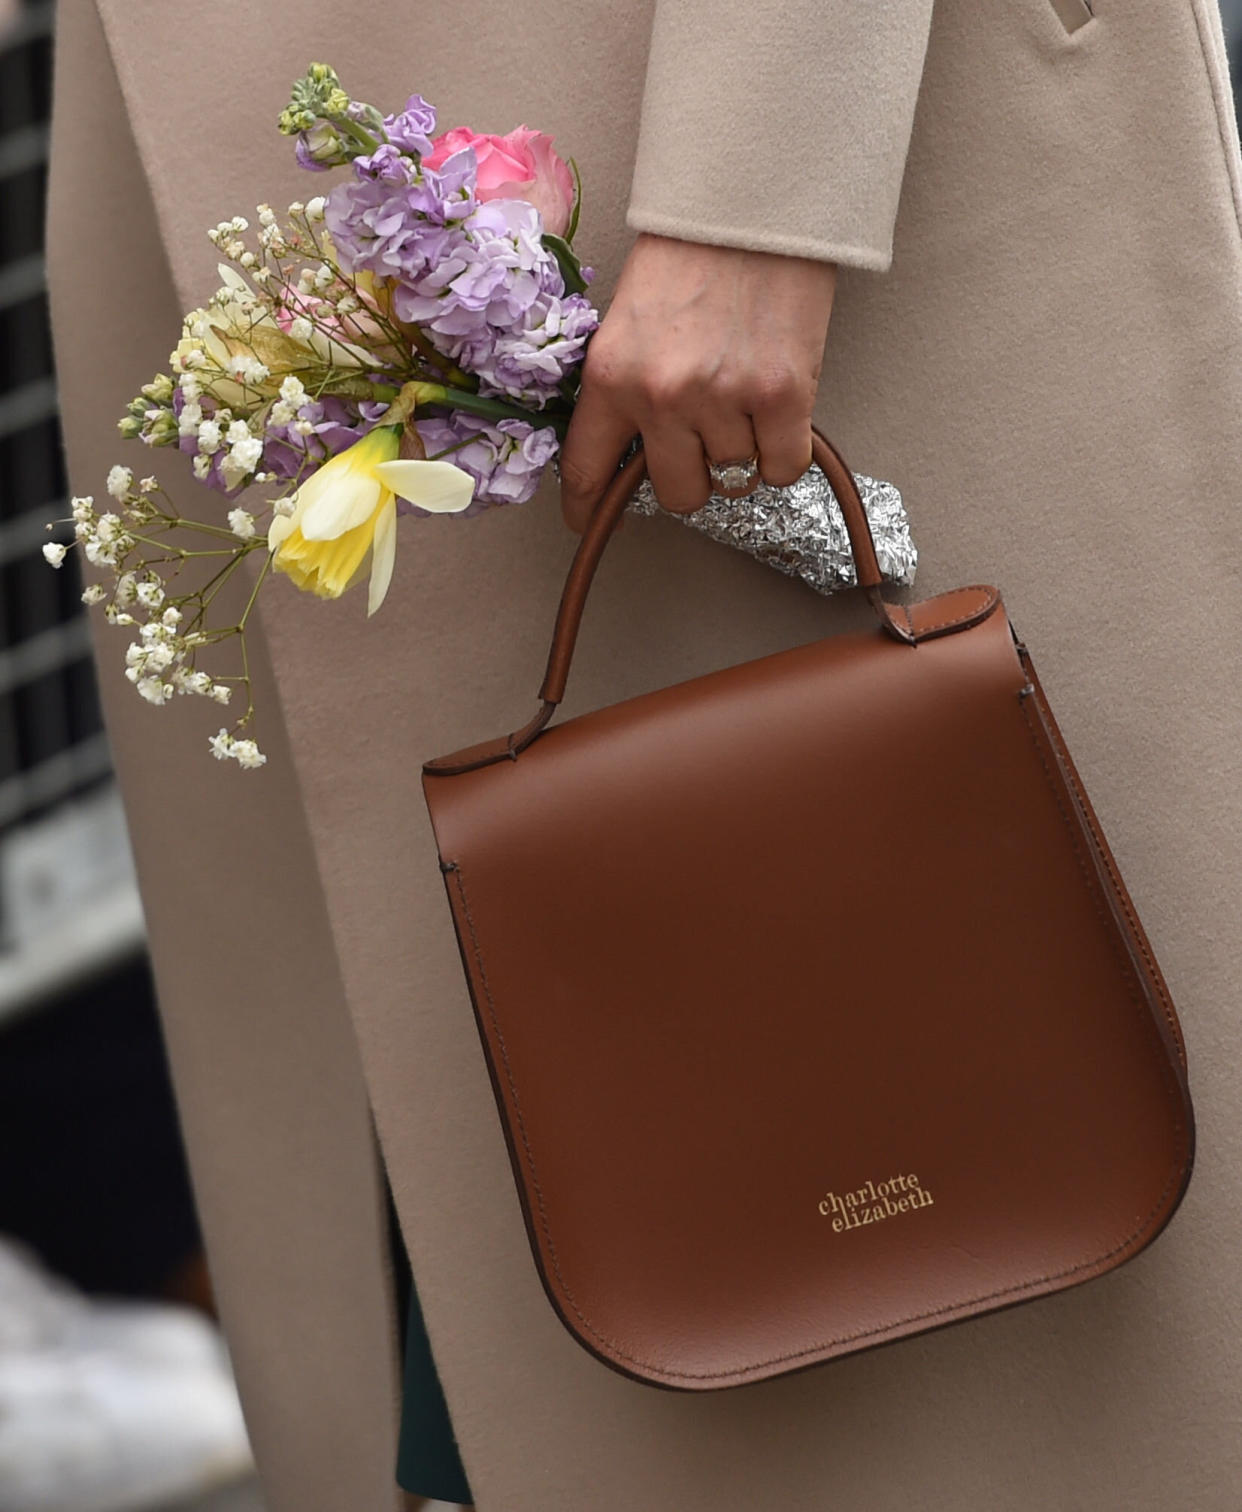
x=407, y=343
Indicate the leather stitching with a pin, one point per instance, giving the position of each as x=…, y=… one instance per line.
x=998, y=1297
x=517, y=1107
x=990, y=603
x=1154, y=975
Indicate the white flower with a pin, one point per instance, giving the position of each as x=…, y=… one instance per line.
x=108, y=527
x=285, y=506
x=95, y=594
x=120, y=481
x=54, y=553
x=126, y=588
x=208, y=438
x=221, y=745
x=301, y=329
x=171, y=617
x=149, y=485
x=232, y=471
x=83, y=509
x=150, y=595
x=293, y=391
x=186, y=681
x=247, y=369
x=201, y=466
x=221, y=692
x=154, y=690
x=314, y=208
x=238, y=431
x=190, y=419
x=247, y=754
x=267, y=216
x=241, y=523
x=246, y=452
x=281, y=413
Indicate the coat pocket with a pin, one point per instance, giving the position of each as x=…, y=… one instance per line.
x=1073, y=14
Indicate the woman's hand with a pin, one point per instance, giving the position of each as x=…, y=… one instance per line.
x=710, y=353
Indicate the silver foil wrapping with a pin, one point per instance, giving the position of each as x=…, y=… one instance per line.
x=800, y=531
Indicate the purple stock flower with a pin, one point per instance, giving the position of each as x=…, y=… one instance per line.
x=386, y=164
x=303, y=153
x=530, y=361
x=506, y=458
x=491, y=277
x=394, y=229
x=319, y=148
x=475, y=276
x=411, y=130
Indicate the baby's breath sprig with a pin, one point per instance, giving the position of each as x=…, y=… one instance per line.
x=139, y=542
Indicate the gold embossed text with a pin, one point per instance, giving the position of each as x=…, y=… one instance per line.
x=874, y=1202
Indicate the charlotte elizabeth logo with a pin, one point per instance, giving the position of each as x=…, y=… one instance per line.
x=874, y=1202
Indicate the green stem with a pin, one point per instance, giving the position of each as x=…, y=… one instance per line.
x=254, y=593
x=365, y=141
x=422, y=341
x=489, y=409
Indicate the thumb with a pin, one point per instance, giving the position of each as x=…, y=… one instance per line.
x=598, y=438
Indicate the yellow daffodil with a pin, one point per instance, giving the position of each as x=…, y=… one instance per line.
x=349, y=509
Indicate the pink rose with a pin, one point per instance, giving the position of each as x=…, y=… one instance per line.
x=521, y=165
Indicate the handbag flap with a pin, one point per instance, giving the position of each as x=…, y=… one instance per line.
x=816, y=1011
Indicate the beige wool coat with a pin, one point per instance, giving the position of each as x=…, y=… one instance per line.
x=1038, y=336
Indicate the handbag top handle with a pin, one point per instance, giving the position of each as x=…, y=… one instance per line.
x=603, y=522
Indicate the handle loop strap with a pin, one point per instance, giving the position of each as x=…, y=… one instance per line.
x=603, y=522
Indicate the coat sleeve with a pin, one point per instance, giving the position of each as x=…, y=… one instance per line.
x=779, y=125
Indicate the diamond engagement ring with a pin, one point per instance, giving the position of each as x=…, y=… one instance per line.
x=734, y=477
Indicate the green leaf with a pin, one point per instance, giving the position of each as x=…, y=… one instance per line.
x=574, y=213
x=567, y=258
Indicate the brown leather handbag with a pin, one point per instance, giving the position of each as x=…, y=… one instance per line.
x=816, y=1008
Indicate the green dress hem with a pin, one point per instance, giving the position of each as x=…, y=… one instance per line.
x=428, y=1460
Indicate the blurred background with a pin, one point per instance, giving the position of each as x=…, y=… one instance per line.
x=115, y=1392
x=115, y=1389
